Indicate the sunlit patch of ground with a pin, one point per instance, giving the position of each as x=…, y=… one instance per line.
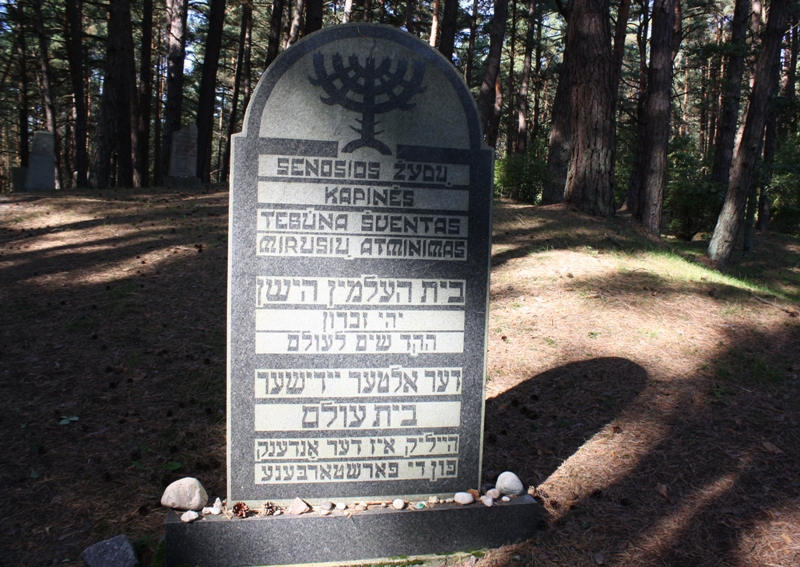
x=652, y=405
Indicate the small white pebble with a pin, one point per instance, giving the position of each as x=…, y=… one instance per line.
x=398, y=503
x=506, y=499
x=218, y=504
x=341, y=506
x=189, y=516
x=277, y=513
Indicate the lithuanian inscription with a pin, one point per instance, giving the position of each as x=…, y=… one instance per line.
x=358, y=279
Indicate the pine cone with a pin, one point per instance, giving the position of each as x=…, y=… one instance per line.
x=241, y=509
x=269, y=508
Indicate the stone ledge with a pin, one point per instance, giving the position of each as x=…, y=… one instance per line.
x=366, y=536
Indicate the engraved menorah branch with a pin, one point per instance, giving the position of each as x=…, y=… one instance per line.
x=368, y=90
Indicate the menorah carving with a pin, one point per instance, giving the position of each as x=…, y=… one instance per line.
x=369, y=90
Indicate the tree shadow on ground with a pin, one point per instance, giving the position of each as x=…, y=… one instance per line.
x=697, y=471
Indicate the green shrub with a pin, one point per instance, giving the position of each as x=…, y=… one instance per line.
x=693, y=201
x=520, y=177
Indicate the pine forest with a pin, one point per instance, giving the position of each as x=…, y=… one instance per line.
x=682, y=114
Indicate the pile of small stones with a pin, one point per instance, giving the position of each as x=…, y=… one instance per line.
x=188, y=494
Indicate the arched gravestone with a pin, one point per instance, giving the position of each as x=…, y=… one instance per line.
x=359, y=262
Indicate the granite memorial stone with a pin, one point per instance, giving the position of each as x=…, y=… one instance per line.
x=183, y=157
x=41, y=165
x=358, y=274
x=360, y=223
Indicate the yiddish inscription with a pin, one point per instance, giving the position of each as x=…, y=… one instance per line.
x=360, y=219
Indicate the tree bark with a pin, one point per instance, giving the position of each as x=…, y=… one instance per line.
x=620, y=31
x=22, y=85
x=410, y=26
x=634, y=199
x=274, y=41
x=176, y=54
x=511, y=127
x=297, y=20
x=348, y=12
x=142, y=165
x=494, y=122
x=434, y=24
x=48, y=97
x=313, y=16
x=473, y=29
x=658, y=114
x=560, y=135
x=447, y=40
x=521, y=141
x=247, y=18
x=590, y=176
x=486, y=97
x=208, y=84
x=114, y=122
x=770, y=147
x=75, y=51
x=726, y=133
x=723, y=240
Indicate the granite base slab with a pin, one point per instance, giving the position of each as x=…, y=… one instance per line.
x=216, y=541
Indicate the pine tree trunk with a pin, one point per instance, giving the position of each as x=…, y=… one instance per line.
x=410, y=26
x=297, y=20
x=540, y=86
x=22, y=85
x=723, y=240
x=434, y=24
x=247, y=18
x=726, y=133
x=521, y=142
x=48, y=97
x=313, y=16
x=493, y=130
x=348, y=12
x=658, y=114
x=486, y=97
x=449, y=28
x=208, y=85
x=511, y=121
x=620, y=32
x=114, y=122
x=176, y=53
x=634, y=199
x=274, y=31
x=560, y=136
x=142, y=166
x=770, y=147
x=473, y=29
x=590, y=176
x=80, y=161
x=127, y=133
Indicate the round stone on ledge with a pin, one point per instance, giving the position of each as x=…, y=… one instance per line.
x=463, y=498
x=509, y=483
x=398, y=503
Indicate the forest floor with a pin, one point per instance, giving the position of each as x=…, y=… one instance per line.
x=652, y=405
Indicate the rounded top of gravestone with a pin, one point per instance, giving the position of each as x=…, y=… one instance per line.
x=372, y=86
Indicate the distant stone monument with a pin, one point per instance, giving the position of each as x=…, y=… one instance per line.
x=183, y=157
x=18, y=177
x=41, y=165
x=361, y=198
